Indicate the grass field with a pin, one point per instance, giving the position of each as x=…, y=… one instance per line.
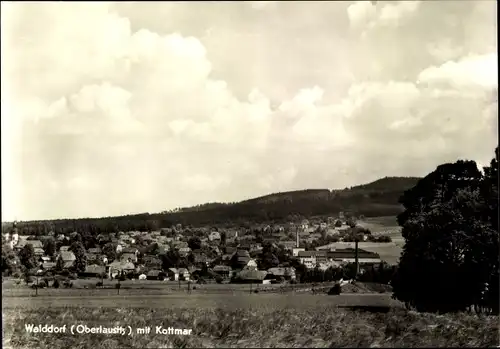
x=386, y=225
x=312, y=326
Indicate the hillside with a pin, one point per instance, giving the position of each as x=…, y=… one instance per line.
x=379, y=198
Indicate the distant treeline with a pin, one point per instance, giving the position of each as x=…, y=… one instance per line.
x=379, y=198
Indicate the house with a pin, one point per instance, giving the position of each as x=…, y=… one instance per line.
x=245, y=245
x=311, y=258
x=287, y=273
x=155, y=274
x=184, y=251
x=215, y=235
x=177, y=274
x=288, y=244
x=304, y=225
x=44, y=259
x=38, y=251
x=251, y=264
x=93, y=270
x=22, y=242
x=117, y=267
x=296, y=250
x=223, y=270
x=48, y=265
x=329, y=264
x=67, y=256
x=128, y=257
x=119, y=248
x=240, y=258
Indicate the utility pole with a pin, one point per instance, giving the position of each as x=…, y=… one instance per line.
x=356, y=259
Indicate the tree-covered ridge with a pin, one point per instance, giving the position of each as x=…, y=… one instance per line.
x=379, y=198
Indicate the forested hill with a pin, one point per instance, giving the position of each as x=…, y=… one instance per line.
x=379, y=198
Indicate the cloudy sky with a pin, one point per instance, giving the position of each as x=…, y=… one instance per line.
x=112, y=109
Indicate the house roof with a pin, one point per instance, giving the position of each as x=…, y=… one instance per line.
x=221, y=268
x=34, y=243
x=68, y=256
x=95, y=250
x=38, y=250
x=48, y=265
x=242, y=253
x=154, y=272
x=128, y=266
x=68, y=264
x=312, y=253
x=126, y=256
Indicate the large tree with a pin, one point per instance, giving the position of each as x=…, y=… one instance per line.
x=49, y=246
x=27, y=257
x=80, y=256
x=442, y=266
x=194, y=243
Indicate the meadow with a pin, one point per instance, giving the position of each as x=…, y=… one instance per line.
x=262, y=326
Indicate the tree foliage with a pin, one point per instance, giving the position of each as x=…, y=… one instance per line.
x=27, y=257
x=451, y=250
x=80, y=256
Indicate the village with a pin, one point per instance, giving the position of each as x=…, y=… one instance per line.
x=264, y=254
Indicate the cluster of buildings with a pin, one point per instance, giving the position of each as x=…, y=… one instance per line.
x=139, y=253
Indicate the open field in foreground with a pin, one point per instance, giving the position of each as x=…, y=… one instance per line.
x=314, y=326
x=183, y=300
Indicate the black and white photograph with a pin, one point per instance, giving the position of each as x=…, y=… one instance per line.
x=249, y=174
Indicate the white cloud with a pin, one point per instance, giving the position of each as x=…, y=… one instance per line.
x=469, y=71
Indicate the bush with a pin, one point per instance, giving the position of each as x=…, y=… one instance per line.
x=219, y=279
x=99, y=284
x=56, y=283
x=42, y=284
x=118, y=285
